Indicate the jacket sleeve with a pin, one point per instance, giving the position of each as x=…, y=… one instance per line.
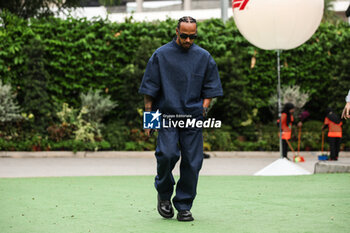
x=150, y=84
x=212, y=85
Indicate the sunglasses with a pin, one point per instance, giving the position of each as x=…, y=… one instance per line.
x=191, y=36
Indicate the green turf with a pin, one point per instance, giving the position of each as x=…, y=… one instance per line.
x=225, y=204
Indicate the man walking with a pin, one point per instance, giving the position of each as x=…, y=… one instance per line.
x=180, y=79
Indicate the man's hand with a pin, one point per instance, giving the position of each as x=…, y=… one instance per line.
x=205, y=112
x=206, y=104
x=148, y=132
x=148, y=107
x=346, y=111
x=300, y=124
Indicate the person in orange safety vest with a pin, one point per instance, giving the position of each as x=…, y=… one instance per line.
x=334, y=124
x=287, y=120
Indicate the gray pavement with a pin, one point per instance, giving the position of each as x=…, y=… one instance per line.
x=143, y=165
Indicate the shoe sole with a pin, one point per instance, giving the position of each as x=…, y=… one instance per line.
x=185, y=220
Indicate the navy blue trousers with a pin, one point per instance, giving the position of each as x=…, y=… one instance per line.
x=171, y=143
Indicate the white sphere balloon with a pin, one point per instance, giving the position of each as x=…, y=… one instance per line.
x=277, y=24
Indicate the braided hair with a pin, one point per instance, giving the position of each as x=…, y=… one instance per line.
x=186, y=19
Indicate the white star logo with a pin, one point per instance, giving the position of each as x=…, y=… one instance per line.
x=156, y=115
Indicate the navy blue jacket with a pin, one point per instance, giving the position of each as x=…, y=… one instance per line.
x=179, y=79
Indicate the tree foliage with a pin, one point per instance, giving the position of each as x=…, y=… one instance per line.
x=39, y=8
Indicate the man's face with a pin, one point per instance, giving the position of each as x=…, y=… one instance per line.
x=187, y=30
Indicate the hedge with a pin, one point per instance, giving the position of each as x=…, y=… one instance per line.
x=78, y=54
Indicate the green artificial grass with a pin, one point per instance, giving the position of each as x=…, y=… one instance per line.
x=224, y=204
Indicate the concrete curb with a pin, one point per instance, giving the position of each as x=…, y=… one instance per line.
x=79, y=154
x=150, y=154
x=332, y=167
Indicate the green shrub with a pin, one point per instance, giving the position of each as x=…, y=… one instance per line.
x=10, y=116
x=268, y=137
x=96, y=105
x=219, y=139
x=35, y=99
x=86, y=124
x=9, y=109
x=116, y=133
x=34, y=143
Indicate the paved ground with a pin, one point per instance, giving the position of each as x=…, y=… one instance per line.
x=47, y=167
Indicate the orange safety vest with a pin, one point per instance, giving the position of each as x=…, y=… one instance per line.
x=286, y=129
x=334, y=130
